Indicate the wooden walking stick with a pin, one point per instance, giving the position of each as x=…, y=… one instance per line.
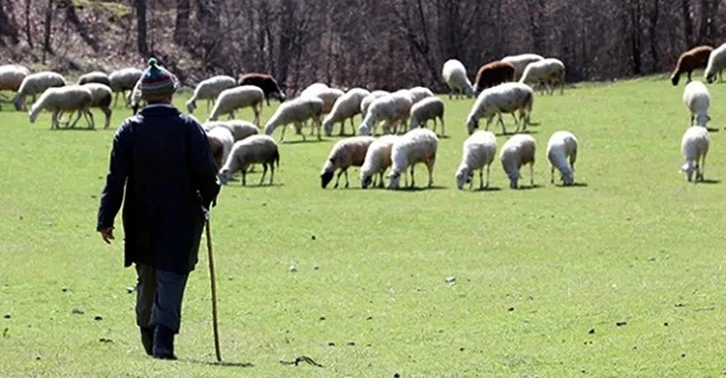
x=214, y=287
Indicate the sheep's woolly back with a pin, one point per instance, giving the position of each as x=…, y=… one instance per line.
x=694, y=145
x=478, y=151
x=101, y=94
x=504, y=98
x=328, y=95
x=543, y=70
x=312, y=89
x=210, y=88
x=346, y=106
x=716, y=63
x=392, y=108
x=426, y=109
x=235, y=98
x=697, y=99
x=239, y=129
x=378, y=157
x=454, y=74
x=257, y=149
x=349, y=152
x=296, y=110
x=420, y=93
x=365, y=104
x=690, y=60
x=413, y=147
x=125, y=78
x=94, y=77
x=521, y=61
x=561, y=152
x=69, y=98
x=12, y=76
x=38, y=82
x=220, y=142
x=516, y=152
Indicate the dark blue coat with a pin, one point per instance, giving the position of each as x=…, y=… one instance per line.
x=163, y=159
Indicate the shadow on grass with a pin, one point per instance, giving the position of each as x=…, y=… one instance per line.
x=489, y=189
x=258, y=186
x=531, y=187
x=713, y=129
x=311, y=140
x=509, y=134
x=220, y=364
x=574, y=185
x=72, y=129
x=709, y=181
x=419, y=189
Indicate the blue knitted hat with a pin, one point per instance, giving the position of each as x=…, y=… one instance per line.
x=157, y=83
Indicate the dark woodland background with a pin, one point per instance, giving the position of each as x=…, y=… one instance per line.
x=386, y=44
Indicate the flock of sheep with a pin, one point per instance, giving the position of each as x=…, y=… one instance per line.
x=504, y=86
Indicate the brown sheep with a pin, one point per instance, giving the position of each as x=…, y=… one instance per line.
x=691, y=60
x=267, y=83
x=494, y=73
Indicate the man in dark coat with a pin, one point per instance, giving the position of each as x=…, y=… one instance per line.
x=163, y=160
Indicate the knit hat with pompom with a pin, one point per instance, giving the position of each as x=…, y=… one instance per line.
x=157, y=83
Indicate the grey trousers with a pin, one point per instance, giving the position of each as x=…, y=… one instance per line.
x=159, y=295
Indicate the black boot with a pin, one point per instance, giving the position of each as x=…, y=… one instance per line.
x=147, y=339
x=163, y=343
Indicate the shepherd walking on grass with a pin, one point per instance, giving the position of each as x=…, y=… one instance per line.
x=161, y=159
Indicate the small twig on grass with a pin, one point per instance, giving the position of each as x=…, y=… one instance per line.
x=301, y=359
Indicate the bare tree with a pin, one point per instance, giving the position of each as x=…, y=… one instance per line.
x=141, y=44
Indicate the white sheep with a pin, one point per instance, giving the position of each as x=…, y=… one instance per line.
x=478, y=152
x=296, y=111
x=562, y=147
x=11, y=77
x=221, y=142
x=425, y=110
x=35, y=84
x=377, y=160
x=101, y=96
x=546, y=72
x=257, y=149
x=313, y=88
x=697, y=99
x=64, y=99
x=239, y=129
x=124, y=80
x=346, y=107
x=366, y=102
x=416, y=146
x=503, y=98
x=516, y=152
x=328, y=95
x=694, y=147
x=94, y=77
x=520, y=62
x=716, y=64
x=229, y=100
x=209, y=90
x=420, y=93
x=394, y=109
x=349, y=152
x=454, y=74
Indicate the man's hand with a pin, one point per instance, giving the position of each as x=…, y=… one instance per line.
x=107, y=235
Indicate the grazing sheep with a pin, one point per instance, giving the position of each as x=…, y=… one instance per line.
x=313, y=88
x=101, y=96
x=11, y=77
x=64, y=99
x=478, y=152
x=454, y=74
x=546, y=72
x=328, y=95
x=296, y=111
x=520, y=62
x=239, y=129
x=346, y=107
x=35, y=84
x=209, y=90
x=694, y=147
x=516, y=152
x=134, y=97
x=350, y=152
x=504, y=98
x=220, y=143
x=562, y=147
x=716, y=64
x=393, y=109
x=257, y=149
x=267, y=83
x=124, y=80
x=95, y=77
x=697, y=100
x=492, y=74
x=689, y=61
x=235, y=98
x=377, y=160
x=368, y=99
x=416, y=146
x=425, y=110
x=420, y=93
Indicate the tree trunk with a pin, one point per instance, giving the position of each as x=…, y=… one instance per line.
x=687, y=23
x=141, y=46
x=652, y=30
x=287, y=33
x=28, y=34
x=46, y=32
x=181, y=29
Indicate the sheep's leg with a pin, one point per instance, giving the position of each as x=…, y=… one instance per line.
x=272, y=172
x=531, y=174
x=504, y=128
x=282, y=134
x=264, y=172
x=430, y=166
x=488, y=168
x=481, y=178
x=115, y=99
x=337, y=179
x=380, y=179
x=703, y=167
x=244, y=176
x=552, y=174
x=489, y=121
x=692, y=118
x=54, y=120
x=443, y=131
x=76, y=120
x=107, y=112
x=89, y=119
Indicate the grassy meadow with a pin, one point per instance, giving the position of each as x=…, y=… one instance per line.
x=621, y=275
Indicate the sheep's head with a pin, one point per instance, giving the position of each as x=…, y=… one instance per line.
x=470, y=91
x=711, y=77
x=394, y=179
x=688, y=168
x=19, y=103
x=363, y=130
x=279, y=96
x=568, y=177
x=327, y=174
x=365, y=180
x=33, y=115
x=191, y=106
x=702, y=119
x=463, y=177
x=328, y=127
x=224, y=176
x=472, y=124
x=675, y=78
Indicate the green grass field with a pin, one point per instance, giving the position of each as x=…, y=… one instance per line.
x=622, y=275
